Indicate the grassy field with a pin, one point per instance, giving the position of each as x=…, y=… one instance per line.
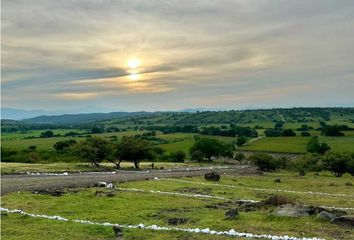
x=298, y=144
x=142, y=207
x=47, y=143
x=36, y=133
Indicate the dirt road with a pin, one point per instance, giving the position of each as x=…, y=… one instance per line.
x=25, y=182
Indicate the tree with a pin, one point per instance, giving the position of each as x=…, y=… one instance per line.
x=207, y=148
x=307, y=163
x=97, y=129
x=63, y=145
x=94, y=149
x=315, y=146
x=337, y=163
x=305, y=134
x=47, y=134
x=177, y=156
x=241, y=141
x=334, y=130
x=131, y=149
x=273, y=132
x=288, y=133
x=265, y=162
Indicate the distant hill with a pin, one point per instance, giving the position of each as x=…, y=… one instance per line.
x=81, y=118
x=18, y=114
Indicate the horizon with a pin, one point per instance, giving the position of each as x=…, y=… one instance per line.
x=155, y=55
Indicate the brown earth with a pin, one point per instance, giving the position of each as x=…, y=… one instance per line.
x=24, y=182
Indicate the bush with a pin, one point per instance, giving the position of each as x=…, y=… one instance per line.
x=315, y=146
x=308, y=163
x=337, y=163
x=265, y=162
x=241, y=141
x=47, y=134
x=305, y=134
x=288, y=133
x=239, y=156
x=273, y=132
x=177, y=156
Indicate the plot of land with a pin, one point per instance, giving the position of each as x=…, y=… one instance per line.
x=131, y=207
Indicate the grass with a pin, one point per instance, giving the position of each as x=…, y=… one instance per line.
x=47, y=143
x=133, y=208
x=298, y=144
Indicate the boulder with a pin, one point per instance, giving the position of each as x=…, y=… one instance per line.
x=290, y=210
x=347, y=221
x=231, y=214
x=118, y=232
x=213, y=176
x=324, y=215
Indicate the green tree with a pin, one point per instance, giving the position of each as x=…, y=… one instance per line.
x=337, y=163
x=177, y=156
x=265, y=162
x=207, y=148
x=94, y=149
x=315, y=146
x=63, y=145
x=288, y=133
x=47, y=134
x=131, y=149
x=241, y=141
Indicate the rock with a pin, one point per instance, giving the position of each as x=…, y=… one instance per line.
x=213, y=176
x=118, y=232
x=101, y=184
x=348, y=184
x=347, y=221
x=110, y=185
x=290, y=210
x=324, y=215
x=277, y=200
x=110, y=194
x=176, y=221
x=277, y=180
x=51, y=192
x=232, y=213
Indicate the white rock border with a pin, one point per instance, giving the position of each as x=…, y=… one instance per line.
x=231, y=232
x=212, y=197
x=258, y=189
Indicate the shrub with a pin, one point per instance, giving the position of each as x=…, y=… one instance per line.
x=337, y=163
x=265, y=162
x=239, y=156
x=241, y=141
x=315, y=146
x=177, y=156
x=288, y=133
x=305, y=134
x=307, y=163
x=47, y=134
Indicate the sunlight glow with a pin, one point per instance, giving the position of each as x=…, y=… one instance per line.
x=133, y=63
x=134, y=76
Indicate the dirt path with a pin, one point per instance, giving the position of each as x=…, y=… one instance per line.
x=24, y=182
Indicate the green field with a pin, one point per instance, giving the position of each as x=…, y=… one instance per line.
x=128, y=207
x=297, y=144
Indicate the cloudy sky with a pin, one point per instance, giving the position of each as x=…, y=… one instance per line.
x=168, y=55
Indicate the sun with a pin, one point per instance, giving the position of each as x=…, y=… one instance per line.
x=133, y=63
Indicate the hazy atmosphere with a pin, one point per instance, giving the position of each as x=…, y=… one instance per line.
x=169, y=55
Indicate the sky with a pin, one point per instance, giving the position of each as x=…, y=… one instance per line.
x=110, y=55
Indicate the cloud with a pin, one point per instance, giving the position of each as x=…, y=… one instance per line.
x=77, y=50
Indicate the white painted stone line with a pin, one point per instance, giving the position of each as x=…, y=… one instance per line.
x=48, y=174
x=231, y=232
x=259, y=189
x=182, y=194
x=215, y=197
